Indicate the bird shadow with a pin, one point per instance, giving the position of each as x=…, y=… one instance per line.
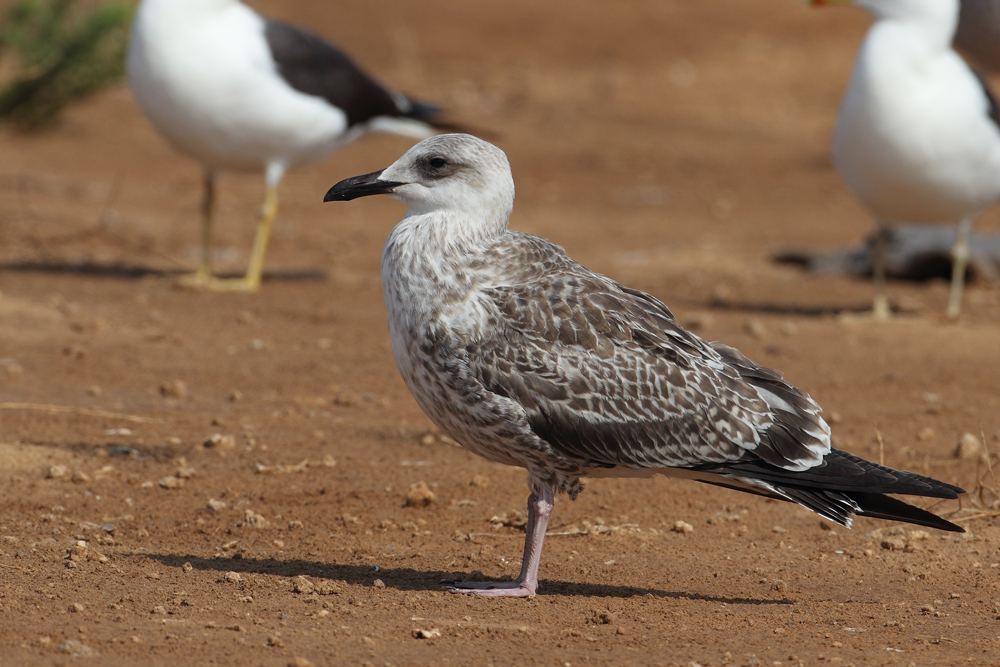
x=787, y=309
x=139, y=272
x=408, y=579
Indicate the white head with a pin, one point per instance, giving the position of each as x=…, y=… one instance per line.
x=904, y=10
x=455, y=174
x=938, y=18
x=191, y=9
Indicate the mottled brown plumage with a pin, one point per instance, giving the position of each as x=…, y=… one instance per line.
x=527, y=358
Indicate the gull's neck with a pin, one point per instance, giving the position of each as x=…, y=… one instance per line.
x=434, y=252
x=930, y=23
x=185, y=11
x=451, y=232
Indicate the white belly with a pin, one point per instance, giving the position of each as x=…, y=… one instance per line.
x=913, y=139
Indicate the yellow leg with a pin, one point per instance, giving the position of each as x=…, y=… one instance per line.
x=203, y=275
x=959, y=262
x=880, y=305
x=251, y=281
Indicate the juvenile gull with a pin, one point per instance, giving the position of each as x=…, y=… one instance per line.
x=528, y=359
x=917, y=136
x=240, y=92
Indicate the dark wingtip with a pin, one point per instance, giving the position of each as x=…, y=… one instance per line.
x=432, y=115
x=424, y=111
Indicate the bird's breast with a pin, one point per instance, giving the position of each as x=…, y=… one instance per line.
x=210, y=86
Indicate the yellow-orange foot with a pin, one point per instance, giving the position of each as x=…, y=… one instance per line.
x=232, y=284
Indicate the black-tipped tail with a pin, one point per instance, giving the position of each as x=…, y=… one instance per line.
x=880, y=506
x=839, y=488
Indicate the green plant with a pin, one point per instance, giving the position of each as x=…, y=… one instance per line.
x=65, y=53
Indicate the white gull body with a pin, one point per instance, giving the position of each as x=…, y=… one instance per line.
x=527, y=358
x=916, y=137
x=239, y=92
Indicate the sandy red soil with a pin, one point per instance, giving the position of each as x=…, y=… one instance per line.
x=672, y=145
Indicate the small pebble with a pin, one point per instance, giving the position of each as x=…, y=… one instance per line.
x=605, y=617
x=173, y=389
x=893, y=544
x=216, y=505
x=220, y=441
x=968, y=447
x=755, y=328
x=682, y=527
x=420, y=495
x=57, y=472
x=303, y=585
x=171, y=482
x=698, y=321
x=426, y=634
x=252, y=519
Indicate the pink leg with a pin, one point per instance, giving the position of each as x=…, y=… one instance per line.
x=539, y=510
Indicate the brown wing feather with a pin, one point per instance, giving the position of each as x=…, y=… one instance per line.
x=607, y=376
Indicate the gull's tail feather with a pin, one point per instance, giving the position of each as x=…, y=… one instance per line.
x=841, y=487
x=880, y=506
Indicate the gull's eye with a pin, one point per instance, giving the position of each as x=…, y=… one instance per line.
x=438, y=162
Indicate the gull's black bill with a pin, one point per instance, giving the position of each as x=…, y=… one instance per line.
x=360, y=186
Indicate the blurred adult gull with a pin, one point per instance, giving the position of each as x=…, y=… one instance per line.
x=917, y=137
x=241, y=92
x=527, y=358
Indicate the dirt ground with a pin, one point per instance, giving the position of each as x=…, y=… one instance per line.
x=671, y=144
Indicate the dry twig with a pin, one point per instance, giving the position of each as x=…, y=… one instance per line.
x=86, y=412
x=19, y=569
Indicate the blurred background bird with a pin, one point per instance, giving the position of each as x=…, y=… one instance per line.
x=240, y=92
x=917, y=136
